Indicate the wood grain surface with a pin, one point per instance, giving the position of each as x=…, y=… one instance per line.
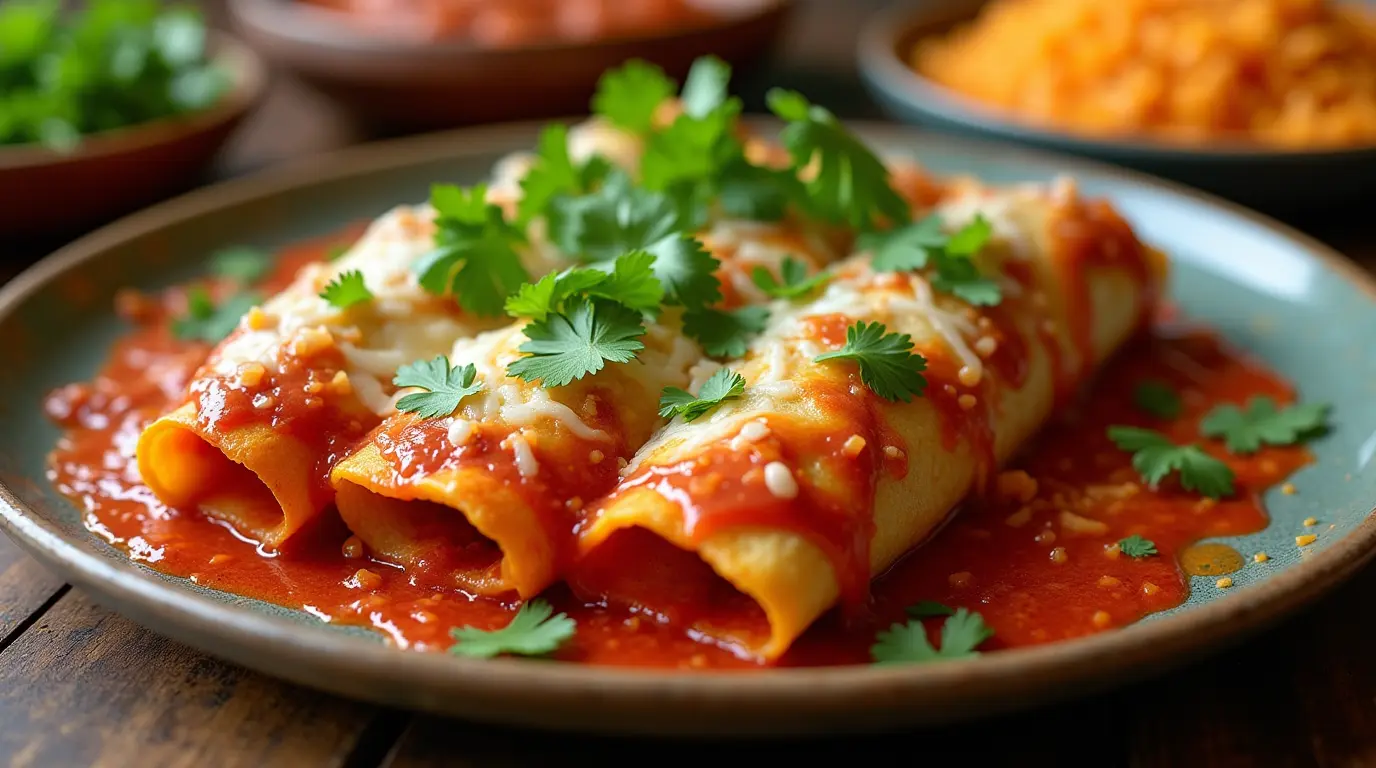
x=80, y=685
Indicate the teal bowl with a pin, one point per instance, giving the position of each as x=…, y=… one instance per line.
x=1277, y=181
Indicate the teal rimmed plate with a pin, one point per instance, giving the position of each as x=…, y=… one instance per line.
x=1304, y=309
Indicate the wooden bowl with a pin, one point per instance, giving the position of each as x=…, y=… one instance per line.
x=397, y=86
x=115, y=172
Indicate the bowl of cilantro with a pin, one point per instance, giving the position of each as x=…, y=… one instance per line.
x=110, y=108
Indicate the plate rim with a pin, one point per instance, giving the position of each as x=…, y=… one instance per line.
x=624, y=700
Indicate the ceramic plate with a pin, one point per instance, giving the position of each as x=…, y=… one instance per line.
x=1284, y=297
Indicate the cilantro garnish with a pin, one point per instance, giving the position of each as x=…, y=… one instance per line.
x=204, y=321
x=687, y=158
x=1154, y=457
x=851, y=184
x=796, y=282
x=346, y=290
x=552, y=174
x=927, y=609
x=724, y=333
x=961, y=636
x=907, y=248
x=1245, y=431
x=578, y=341
x=923, y=243
x=721, y=386
x=888, y=366
x=705, y=89
x=1157, y=398
x=444, y=387
x=618, y=217
x=474, y=256
x=751, y=192
x=535, y=630
x=629, y=95
x=1137, y=547
x=629, y=280
x=240, y=263
x=687, y=271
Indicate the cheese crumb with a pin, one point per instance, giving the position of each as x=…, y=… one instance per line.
x=1045, y=537
x=779, y=480
x=1019, y=519
x=755, y=430
x=892, y=451
x=364, y=579
x=986, y=346
x=353, y=548
x=1016, y=484
x=1306, y=539
x=1102, y=619
x=1059, y=556
x=1288, y=489
x=1149, y=588
x=1109, y=582
x=574, y=504
x=251, y=374
x=968, y=376
x=461, y=431
x=1223, y=583
x=1310, y=522
x=853, y=446
x=1260, y=557
x=595, y=456
x=312, y=341
x=1073, y=523
x=967, y=402
x=1113, y=551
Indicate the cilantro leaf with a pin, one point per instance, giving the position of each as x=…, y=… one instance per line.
x=924, y=243
x=907, y=248
x=204, y=321
x=629, y=280
x=579, y=341
x=629, y=95
x=927, y=609
x=346, y=290
x=961, y=636
x=971, y=238
x=1157, y=398
x=749, y=191
x=535, y=630
x=618, y=217
x=240, y=263
x=552, y=174
x=705, y=88
x=687, y=271
x=633, y=283
x=721, y=386
x=724, y=333
x=474, y=256
x=796, y=282
x=690, y=150
x=1137, y=547
x=1245, y=431
x=444, y=387
x=1154, y=457
x=888, y=366
x=851, y=184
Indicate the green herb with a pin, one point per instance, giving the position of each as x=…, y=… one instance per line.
x=1245, y=431
x=535, y=630
x=687, y=271
x=629, y=95
x=444, y=387
x=474, y=250
x=578, y=341
x=1157, y=398
x=888, y=366
x=928, y=609
x=851, y=184
x=922, y=243
x=796, y=282
x=705, y=89
x=552, y=174
x=110, y=64
x=1155, y=456
x=724, y=333
x=1137, y=547
x=748, y=191
x=961, y=636
x=629, y=280
x=204, y=321
x=907, y=248
x=241, y=264
x=687, y=159
x=346, y=290
x=721, y=386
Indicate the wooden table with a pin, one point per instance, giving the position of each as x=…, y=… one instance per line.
x=80, y=685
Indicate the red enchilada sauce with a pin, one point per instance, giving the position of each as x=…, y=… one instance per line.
x=1035, y=555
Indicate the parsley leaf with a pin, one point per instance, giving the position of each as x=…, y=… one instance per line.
x=1154, y=457
x=579, y=341
x=629, y=95
x=444, y=387
x=474, y=255
x=204, y=321
x=723, y=385
x=888, y=366
x=1245, y=431
x=961, y=636
x=240, y=263
x=1137, y=547
x=535, y=630
x=927, y=609
x=1157, y=398
x=724, y=333
x=796, y=282
x=851, y=184
x=346, y=290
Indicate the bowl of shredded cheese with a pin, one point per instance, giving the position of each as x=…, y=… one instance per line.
x=1269, y=102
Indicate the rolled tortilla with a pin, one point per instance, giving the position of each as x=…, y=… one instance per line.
x=746, y=525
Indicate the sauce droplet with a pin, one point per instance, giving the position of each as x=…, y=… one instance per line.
x=1210, y=560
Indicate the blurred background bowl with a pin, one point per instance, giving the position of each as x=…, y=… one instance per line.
x=1279, y=181
x=115, y=172
x=394, y=85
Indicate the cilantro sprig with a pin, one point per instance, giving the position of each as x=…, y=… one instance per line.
x=1156, y=456
x=629, y=280
x=924, y=243
x=795, y=283
x=725, y=333
x=535, y=630
x=241, y=264
x=888, y=365
x=474, y=258
x=721, y=386
x=961, y=636
x=927, y=609
x=1137, y=547
x=1157, y=398
x=206, y=321
x=346, y=290
x=445, y=387
x=629, y=95
x=1262, y=423
x=554, y=174
x=579, y=341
